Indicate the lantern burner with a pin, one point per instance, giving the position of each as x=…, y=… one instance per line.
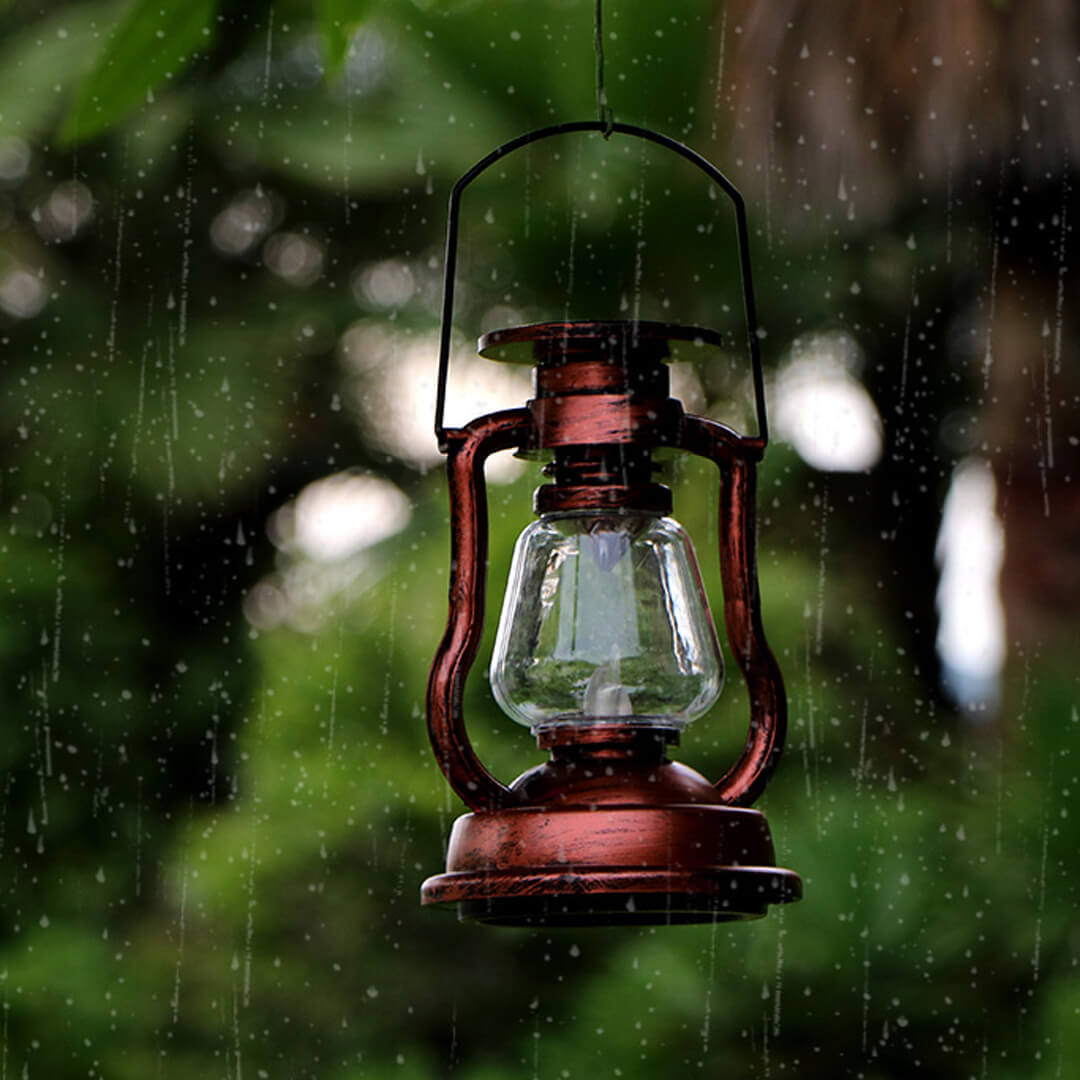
x=612, y=832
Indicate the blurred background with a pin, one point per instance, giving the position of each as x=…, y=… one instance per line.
x=225, y=534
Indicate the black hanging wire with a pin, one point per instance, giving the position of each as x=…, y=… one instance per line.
x=603, y=127
x=604, y=112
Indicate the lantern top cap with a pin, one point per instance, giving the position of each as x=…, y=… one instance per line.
x=615, y=339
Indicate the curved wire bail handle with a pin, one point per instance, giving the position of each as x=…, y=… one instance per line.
x=604, y=128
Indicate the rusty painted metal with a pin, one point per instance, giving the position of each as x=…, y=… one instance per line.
x=467, y=450
x=609, y=830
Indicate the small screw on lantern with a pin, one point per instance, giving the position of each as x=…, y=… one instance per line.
x=606, y=648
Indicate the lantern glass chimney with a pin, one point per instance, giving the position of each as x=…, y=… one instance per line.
x=605, y=619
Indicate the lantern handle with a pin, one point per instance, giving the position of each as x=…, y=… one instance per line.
x=736, y=457
x=606, y=128
x=467, y=449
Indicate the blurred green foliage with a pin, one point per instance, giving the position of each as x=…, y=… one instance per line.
x=218, y=799
x=147, y=48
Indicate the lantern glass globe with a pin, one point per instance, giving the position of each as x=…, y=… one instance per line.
x=605, y=620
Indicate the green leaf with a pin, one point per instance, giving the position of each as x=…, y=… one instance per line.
x=39, y=63
x=153, y=43
x=337, y=21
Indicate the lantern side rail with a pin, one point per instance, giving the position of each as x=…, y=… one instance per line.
x=736, y=458
x=605, y=128
x=467, y=449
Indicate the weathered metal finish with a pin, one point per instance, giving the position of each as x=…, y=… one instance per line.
x=612, y=833
x=609, y=830
x=607, y=735
x=597, y=383
x=682, y=864
x=607, y=376
x=467, y=450
x=629, y=898
x=595, y=419
x=595, y=340
x=736, y=458
x=650, y=498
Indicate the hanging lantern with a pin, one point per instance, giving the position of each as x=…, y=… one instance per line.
x=606, y=648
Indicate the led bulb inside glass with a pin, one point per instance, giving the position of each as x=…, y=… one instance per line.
x=605, y=619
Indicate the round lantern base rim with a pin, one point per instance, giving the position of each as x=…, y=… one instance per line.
x=615, y=896
x=598, y=864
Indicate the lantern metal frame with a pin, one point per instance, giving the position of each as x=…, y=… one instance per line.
x=609, y=830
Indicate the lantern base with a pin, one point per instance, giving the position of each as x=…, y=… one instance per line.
x=612, y=865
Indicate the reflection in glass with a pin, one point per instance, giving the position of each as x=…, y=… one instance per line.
x=605, y=617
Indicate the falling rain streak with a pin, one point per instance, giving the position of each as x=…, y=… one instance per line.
x=332, y=718
x=114, y=308
x=217, y=800
x=819, y=627
x=1062, y=271
x=988, y=354
x=1040, y=909
x=58, y=607
x=180, y=932
x=186, y=242
x=718, y=90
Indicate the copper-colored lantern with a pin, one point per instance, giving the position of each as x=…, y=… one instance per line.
x=605, y=648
